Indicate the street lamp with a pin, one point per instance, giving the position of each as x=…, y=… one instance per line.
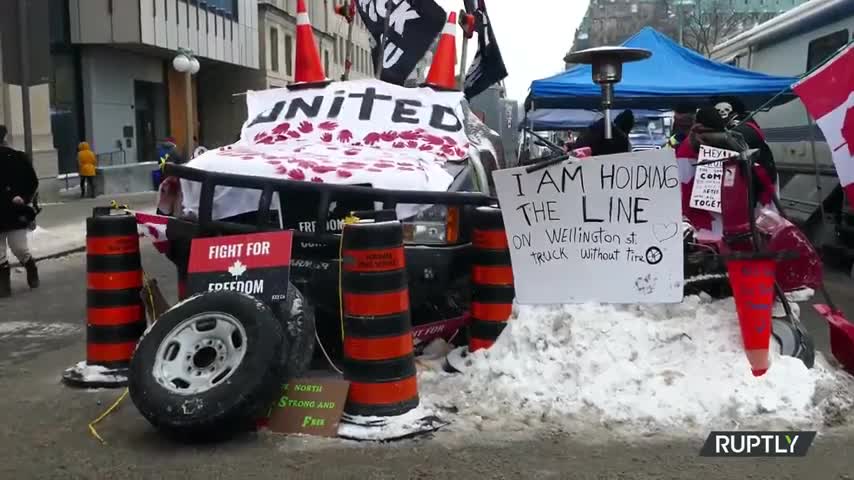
x=187, y=63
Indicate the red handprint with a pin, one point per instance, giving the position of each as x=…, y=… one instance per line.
x=345, y=136
x=433, y=140
x=281, y=128
x=328, y=126
x=306, y=127
x=297, y=174
x=372, y=138
x=344, y=173
x=326, y=137
x=409, y=135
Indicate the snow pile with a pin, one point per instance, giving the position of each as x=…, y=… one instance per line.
x=95, y=374
x=633, y=369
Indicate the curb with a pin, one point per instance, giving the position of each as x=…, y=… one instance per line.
x=51, y=256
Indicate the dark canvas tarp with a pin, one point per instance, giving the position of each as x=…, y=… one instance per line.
x=672, y=75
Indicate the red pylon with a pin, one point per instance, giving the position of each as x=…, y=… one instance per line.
x=442, y=74
x=308, y=67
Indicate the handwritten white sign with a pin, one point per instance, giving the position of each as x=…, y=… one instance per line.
x=604, y=229
x=706, y=193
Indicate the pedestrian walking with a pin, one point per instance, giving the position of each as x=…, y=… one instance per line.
x=86, y=162
x=18, y=187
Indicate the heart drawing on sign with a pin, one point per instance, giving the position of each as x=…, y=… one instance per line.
x=665, y=231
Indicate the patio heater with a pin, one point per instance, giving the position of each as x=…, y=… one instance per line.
x=607, y=63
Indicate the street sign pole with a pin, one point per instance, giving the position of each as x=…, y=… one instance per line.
x=24, y=38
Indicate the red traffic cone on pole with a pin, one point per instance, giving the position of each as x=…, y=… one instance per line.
x=752, y=280
x=441, y=75
x=308, y=68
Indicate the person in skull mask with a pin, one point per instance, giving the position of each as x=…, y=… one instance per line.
x=735, y=114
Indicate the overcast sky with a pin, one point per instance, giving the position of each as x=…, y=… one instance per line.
x=534, y=35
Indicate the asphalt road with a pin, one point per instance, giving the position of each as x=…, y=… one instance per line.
x=43, y=424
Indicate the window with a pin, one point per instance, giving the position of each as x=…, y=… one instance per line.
x=335, y=51
x=274, y=49
x=822, y=48
x=326, y=61
x=288, y=55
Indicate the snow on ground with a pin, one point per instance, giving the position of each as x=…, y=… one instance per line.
x=629, y=370
x=36, y=330
x=95, y=374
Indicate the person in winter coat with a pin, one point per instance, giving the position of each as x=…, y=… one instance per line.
x=710, y=130
x=683, y=121
x=735, y=113
x=86, y=163
x=18, y=187
x=594, y=136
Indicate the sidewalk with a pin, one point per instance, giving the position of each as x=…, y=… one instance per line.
x=61, y=227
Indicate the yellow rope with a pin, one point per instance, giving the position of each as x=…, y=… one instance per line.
x=124, y=394
x=104, y=415
x=348, y=220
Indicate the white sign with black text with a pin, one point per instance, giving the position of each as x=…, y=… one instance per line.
x=602, y=229
x=706, y=193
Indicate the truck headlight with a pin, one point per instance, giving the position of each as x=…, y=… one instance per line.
x=437, y=225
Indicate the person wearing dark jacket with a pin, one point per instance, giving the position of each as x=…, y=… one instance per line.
x=683, y=121
x=594, y=136
x=18, y=186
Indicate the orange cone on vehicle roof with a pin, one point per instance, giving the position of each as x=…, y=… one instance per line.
x=308, y=68
x=442, y=73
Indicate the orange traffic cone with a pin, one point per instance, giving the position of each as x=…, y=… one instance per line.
x=752, y=281
x=308, y=67
x=442, y=75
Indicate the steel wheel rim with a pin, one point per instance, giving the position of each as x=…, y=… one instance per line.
x=200, y=353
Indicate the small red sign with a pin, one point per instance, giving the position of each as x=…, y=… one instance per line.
x=257, y=264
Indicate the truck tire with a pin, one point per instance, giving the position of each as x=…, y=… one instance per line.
x=794, y=341
x=208, y=365
x=296, y=315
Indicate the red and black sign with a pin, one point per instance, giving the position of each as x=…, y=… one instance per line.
x=256, y=264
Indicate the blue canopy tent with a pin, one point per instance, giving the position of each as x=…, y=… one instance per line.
x=551, y=119
x=672, y=75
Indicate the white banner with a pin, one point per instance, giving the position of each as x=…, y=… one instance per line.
x=353, y=133
x=604, y=229
x=358, y=113
x=706, y=193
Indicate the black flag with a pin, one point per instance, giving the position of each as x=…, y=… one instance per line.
x=487, y=68
x=412, y=27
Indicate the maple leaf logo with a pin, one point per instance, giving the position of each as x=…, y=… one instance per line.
x=237, y=269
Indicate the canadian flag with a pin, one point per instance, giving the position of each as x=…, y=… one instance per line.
x=828, y=94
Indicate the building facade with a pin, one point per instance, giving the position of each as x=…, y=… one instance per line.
x=132, y=96
x=277, y=24
x=700, y=24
